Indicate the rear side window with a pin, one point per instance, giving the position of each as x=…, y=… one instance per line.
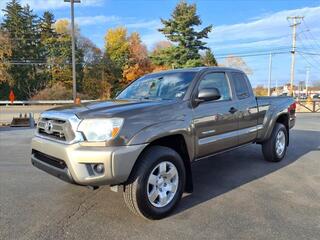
x=240, y=84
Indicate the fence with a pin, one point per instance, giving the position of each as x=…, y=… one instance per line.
x=308, y=106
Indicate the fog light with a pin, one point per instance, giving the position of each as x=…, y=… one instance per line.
x=98, y=168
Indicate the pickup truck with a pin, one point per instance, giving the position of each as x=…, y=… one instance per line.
x=144, y=141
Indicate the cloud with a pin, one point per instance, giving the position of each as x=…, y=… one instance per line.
x=52, y=4
x=151, y=38
x=273, y=27
x=152, y=25
x=95, y=20
x=267, y=31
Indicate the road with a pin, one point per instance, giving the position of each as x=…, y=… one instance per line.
x=237, y=196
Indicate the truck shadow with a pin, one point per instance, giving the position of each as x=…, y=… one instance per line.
x=222, y=173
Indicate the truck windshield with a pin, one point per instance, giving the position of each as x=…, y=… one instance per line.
x=164, y=86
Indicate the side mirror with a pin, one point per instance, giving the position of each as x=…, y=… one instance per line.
x=208, y=94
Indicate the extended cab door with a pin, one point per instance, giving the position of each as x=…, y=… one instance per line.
x=247, y=107
x=215, y=122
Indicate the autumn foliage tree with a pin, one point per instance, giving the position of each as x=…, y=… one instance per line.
x=117, y=46
x=260, y=91
x=138, y=63
x=35, y=54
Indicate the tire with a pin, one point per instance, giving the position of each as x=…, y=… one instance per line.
x=142, y=197
x=273, y=152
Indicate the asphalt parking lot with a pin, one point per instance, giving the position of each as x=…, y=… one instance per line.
x=237, y=196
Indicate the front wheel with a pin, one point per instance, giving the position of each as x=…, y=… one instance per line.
x=275, y=148
x=156, y=184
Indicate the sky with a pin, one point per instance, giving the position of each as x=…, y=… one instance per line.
x=239, y=27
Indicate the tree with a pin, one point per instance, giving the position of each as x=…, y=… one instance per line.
x=237, y=62
x=138, y=62
x=62, y=26
x=260, y=91
x=47, y=34
x=117, y=46
x=5, y=55
x=100, y=78
x=59, y=55
x=158, y=46
x=98, y=71
x=22, y=26
x=208, y=59
x=47, y=23
x=181, y=29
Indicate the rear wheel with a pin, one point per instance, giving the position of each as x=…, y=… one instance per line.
x=156, y=184
x=275, y=148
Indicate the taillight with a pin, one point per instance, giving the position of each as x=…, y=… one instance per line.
x=292, y=108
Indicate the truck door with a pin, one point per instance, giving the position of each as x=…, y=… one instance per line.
x=247, y=108
x=215, y=122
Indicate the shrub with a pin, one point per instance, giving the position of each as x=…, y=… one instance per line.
x=57, y=92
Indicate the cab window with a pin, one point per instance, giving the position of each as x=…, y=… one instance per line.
x=240, y=85
x=219, y=81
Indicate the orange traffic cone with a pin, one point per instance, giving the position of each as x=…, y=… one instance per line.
x=11, y=96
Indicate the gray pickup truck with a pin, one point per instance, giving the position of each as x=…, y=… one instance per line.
x=144, y=141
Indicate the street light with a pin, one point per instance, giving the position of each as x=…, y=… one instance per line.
x=74, y=82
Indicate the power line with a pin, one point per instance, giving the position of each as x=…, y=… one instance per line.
x=256, y=51
x=310, y=43
x=251, y=54
x=309, y=53
x=316, y=67
x=312, y=56
x=309, y=31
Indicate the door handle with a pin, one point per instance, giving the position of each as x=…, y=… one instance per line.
x=232, y=110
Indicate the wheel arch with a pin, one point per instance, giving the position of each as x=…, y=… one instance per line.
x=280, y=117
x=178, y=143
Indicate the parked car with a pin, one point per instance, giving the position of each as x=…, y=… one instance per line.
x=143, y=142
x=303, y=96
x=316, y=96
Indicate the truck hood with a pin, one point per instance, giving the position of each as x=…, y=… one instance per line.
x=110, y=108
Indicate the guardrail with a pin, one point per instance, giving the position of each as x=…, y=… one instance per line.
x=311, y=106
x=41, y=102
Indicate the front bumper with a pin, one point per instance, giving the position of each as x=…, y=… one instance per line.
x=72, y=163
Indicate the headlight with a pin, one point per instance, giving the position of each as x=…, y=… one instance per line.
x=97, y=130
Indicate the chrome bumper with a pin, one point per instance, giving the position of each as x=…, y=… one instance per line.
x=72, y=163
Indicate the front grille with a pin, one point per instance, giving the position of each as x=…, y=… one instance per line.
x=56, y=135
x=59, y=129
x=56, y=162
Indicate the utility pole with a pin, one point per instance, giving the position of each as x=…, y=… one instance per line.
x=270, y=72
x=296, y=21
x=74, y=80
x=307, y=79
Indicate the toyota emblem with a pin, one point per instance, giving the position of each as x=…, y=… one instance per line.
x=48, y=127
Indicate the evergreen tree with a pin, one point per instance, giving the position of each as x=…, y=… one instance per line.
x=47, y=34
x=22, y=26
x=208, y=59
x=47, y=26
x=180, y=29
x=59, y=56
